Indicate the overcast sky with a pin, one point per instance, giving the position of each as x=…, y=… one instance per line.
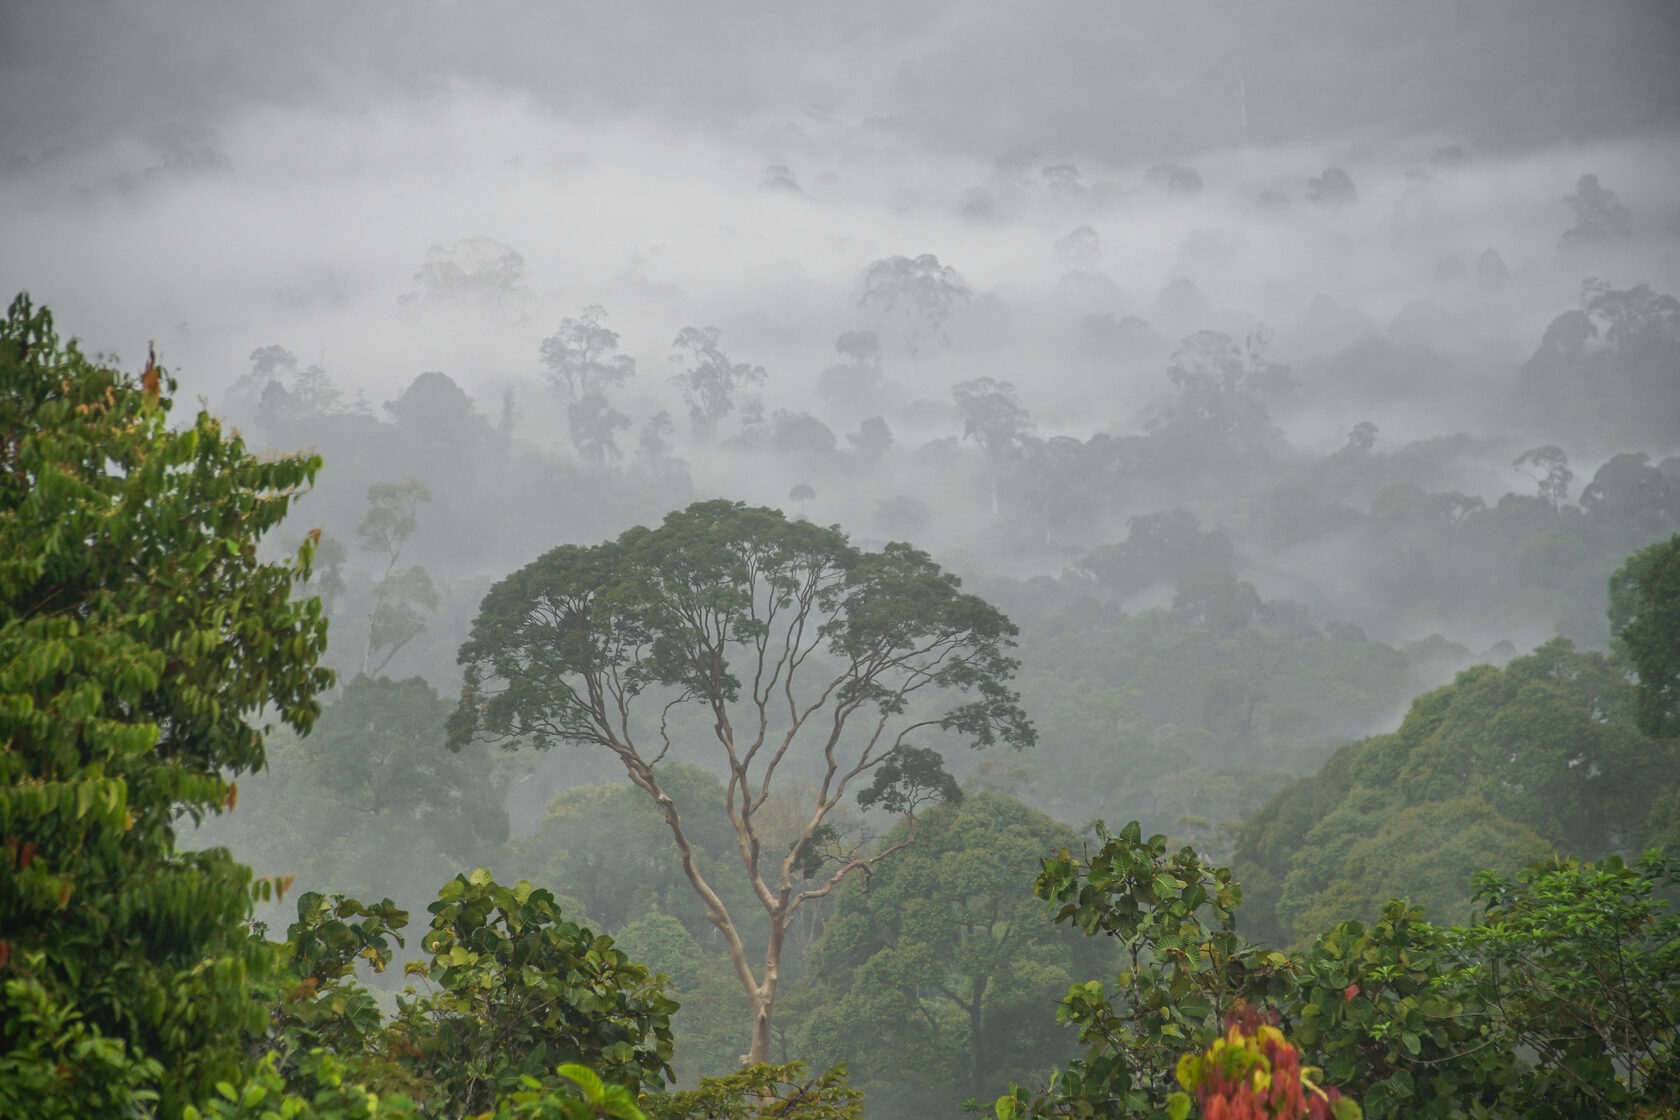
x=219, y=177
x=1093, y=77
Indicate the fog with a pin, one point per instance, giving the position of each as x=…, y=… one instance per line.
x=1384, y=212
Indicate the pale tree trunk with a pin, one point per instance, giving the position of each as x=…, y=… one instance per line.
x=760, y=1048
x=779, y=907
x=746, y=794
x=760, y=997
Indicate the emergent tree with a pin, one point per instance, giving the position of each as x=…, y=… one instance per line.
x=402, y=597
x=583, y=364
x=918, y=296
x=995, y=419
x=775, y=645
x=709, y=378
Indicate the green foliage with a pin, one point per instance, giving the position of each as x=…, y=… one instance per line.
x=1383, y=1008
x=1487, y=772
x=317, y=1002
x=1198, y=708
x=1364, y=854
x=1582, y=961
x=666, y=947
x=763, y=1092
x=1561, y=1001
x=139, y=635
x=321, y=1089
x=933, y=974
x=63, y=1070
x=1645, y=620
x=515, y=988
x=332, y=1094
x=1180, y=972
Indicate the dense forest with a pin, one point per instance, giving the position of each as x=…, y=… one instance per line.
x=779, y=580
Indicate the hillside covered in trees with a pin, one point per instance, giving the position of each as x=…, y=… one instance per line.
x=684, y=562
x=144, y=630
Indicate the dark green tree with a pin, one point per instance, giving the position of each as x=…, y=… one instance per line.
x=513, y=988
x=606, y=850
x=1645, y=619
x=1582, y=965
x=935, y=978
x=1481, y=774
x=515, y=996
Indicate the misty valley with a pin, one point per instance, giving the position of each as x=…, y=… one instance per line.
x=805, y=586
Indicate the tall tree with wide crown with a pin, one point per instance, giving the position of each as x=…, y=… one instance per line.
x=777, y=647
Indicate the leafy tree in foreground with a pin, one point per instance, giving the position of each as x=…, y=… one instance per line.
x=334, y=1095
x=139, y=634
x=763, y=1093
x=1388, y=1011
x=1560, y=1001
x=1584, y=965
x=513, y=990
x=516, y=989
x=777, y=645
x=1645, y=618
x=1182, y=969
